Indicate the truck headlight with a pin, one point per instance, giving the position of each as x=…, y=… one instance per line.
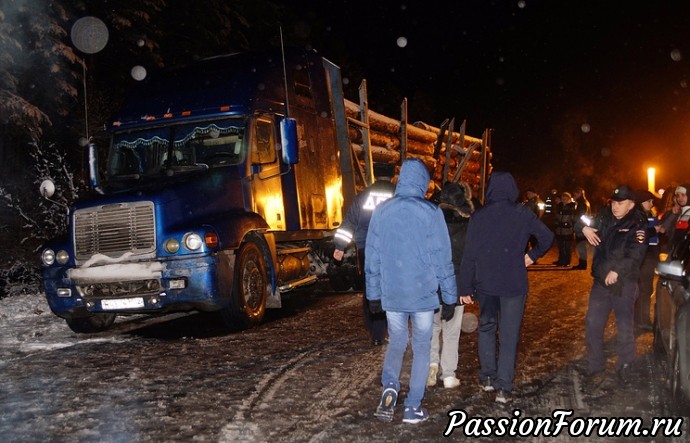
x=193, y=241
x=62, y=256
x=48, y=257
x=172, y=246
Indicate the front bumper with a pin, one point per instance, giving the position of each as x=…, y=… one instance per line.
x=175, y=285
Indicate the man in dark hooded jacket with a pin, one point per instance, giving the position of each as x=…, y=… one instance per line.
x=494, y=268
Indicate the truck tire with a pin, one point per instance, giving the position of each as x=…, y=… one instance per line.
x=92, y=323
x=249, y=290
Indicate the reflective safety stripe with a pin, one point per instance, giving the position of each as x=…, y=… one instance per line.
x=374, y=199
x=343, y=235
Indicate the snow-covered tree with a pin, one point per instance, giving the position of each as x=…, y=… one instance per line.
x=46, y=84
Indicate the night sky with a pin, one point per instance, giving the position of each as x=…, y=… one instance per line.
x=575, y=92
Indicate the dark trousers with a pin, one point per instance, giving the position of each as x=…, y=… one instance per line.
x=643, y=302
x=601, y=301
x=375, y=323
x=581, y=248
x=565, y=245
x=502, y=315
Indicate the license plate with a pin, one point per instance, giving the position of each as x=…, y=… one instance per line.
x=122, y=303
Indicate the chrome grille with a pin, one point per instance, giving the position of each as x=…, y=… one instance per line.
x=113, y=230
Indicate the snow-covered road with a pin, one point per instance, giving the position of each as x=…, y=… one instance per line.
x=307, y=374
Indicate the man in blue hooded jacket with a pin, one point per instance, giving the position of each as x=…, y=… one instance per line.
x=494, y=269
x=408, y=258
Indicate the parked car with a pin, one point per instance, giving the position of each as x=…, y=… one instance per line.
x=672, y=319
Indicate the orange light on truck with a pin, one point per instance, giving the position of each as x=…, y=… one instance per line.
x=211, y=239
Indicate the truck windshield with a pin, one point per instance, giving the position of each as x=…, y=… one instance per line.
x=179, y=148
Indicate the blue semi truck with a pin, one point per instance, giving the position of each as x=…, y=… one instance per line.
x=221, y=189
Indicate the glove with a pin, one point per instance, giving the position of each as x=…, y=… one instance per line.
x=447, y=311
x=375, y=306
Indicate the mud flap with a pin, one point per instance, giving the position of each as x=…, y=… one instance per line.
x=274, y=300
x=226, y=274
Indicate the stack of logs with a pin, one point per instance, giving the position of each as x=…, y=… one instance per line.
x=422, y=138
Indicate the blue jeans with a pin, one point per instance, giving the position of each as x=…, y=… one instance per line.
x=422, y=328
x=502, y=315
x=601, y=302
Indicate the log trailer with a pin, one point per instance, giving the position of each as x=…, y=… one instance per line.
x=223, y=185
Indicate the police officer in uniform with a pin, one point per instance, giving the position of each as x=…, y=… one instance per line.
x=619, y=238
x=355, y=227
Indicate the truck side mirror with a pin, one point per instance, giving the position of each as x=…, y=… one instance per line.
x=92, y=158
x=290, y=145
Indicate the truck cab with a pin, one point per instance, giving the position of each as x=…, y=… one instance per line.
x=220, y=186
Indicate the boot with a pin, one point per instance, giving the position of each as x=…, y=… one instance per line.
x=581, y=265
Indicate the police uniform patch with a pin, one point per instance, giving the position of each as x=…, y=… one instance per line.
x=640, y=236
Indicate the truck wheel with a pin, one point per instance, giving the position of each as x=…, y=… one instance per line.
x=92, y=323
x=250, y=289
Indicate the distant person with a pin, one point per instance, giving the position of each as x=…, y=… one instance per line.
x=619, y=237
x=534, y=203
x=456, y=204
x=355, y=226
x=582, y=209
x=494, y=268
x=674, y=223
x=408, y=259
x=646, y=282
x=550, y=204
x=565, y=222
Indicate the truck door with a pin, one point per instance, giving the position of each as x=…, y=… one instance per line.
x=265, y=169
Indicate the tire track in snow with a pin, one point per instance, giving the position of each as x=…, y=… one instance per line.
x=328, y=402
x=342, y=371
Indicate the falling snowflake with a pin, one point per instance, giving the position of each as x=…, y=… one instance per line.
x=676, y=55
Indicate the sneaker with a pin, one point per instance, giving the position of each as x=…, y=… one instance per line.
x=386, y=407
x=451, y=382
x=433, y=372
x=503, y=396
x=486, y=385
x=415, y=415
x=624, y=374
